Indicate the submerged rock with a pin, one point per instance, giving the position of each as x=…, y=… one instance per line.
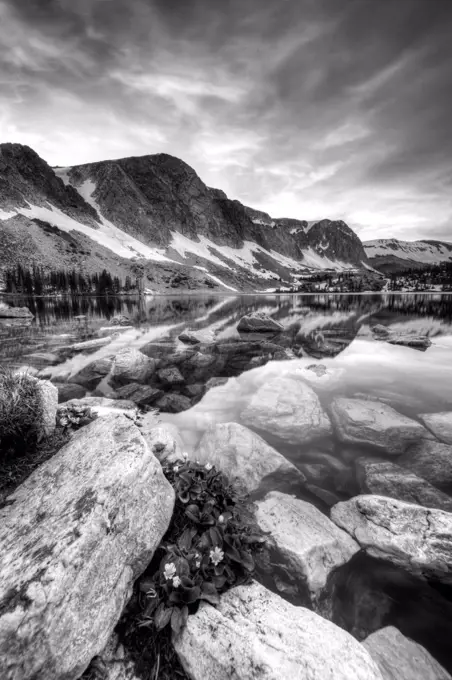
x=15, y=313
x=119, y=320
x=420, y=342
x=384, y=478
x=195, y=337
x=241, y=453
x=400, y=658
x=289, y=409
x=410, y=536
x=431, y=460
x=258, y=322
x=140, y=394
x=170, y=376
x=68, y=391
x=363, y=421
x=440, y=424
x=173, y=402
x=130, y=365
x=91, y=374
x=73, y=539
x=310, y=544
x=254, y=633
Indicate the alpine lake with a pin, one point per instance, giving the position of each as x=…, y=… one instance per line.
x=328, y=343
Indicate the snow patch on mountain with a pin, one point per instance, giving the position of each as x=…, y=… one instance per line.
x=5, y=214
x=418, y=251
x=315, y=261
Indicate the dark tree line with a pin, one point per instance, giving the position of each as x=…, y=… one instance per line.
x=433, y=275
x=37, y=281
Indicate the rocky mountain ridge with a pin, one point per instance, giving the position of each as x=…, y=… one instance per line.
x=154, y=211
x=390, y=255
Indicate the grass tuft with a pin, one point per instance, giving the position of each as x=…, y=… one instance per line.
x=20, y=412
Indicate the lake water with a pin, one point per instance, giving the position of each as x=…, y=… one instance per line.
x=334, y=331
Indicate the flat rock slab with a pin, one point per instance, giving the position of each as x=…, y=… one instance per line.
x=385, y=478
x=241, y=453
x=258, y=322
x=142, y=395
x=400, y=658
x=412, y=537
x=195, y=337
x=73, y=538
x=440, y=424
x=363, y=421
x=254, y=633
x=289, y=409
x=431, y=460
x=311, y=545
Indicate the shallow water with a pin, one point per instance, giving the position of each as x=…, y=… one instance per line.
x=332, y=330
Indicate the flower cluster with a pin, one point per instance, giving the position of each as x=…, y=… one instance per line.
x=206, y=550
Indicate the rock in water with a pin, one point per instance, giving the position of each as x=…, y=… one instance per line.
x=384, y=478
x=254, y=633
x=363, y=421
x=68, y=391
x=415, y=538
x=258, y=322
x=440, y=424
x=130, y=365
x=92, y=373
x=311, y=545
x=239, y=452
x=195, y=337
x=73, y=538
x=432, y=461
x=289, y=409
x=400, y=658
x=140, y=394
x=15, y=313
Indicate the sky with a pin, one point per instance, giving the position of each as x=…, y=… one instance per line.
x=311, y=109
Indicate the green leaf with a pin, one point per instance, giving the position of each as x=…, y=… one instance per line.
x=215, y=537
x=219, y=581
x=192, y=512
x=176, y=620
x=209, y=593
x=247, y=560
x=184, y=541
x=162, y=616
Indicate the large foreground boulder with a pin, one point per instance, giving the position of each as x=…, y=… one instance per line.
x=440, y=424
x=258, y=322
x=254, y=633
x=363, y=421
x=310, y=544
x=385, y=478
x=400, y=658
x=431, y=460
x=289, y=409
x=239, y=452
x=415, y=538
x=73, y=538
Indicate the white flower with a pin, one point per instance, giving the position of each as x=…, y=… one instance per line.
x=176, y=468
x=169, y=571
x=176, y=581
x=208, y=466
x=185, y=455
x=221, y=519
x=216, y=556
x=197, y=564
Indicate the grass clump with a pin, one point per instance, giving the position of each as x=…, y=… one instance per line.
x=20, y=412
x=210, y=546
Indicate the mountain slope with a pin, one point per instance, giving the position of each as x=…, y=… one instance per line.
x=155, y=212
x=390, y=255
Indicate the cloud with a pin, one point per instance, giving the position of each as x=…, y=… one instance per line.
x=301, y=108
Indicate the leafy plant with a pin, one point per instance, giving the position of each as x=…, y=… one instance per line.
x=73, y=417
x=207, y=549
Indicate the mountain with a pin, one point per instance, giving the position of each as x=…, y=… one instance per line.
x=155, y=215
x=391, y=255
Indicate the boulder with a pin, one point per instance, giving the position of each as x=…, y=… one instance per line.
x=170, y=376
x=289, y=409
x=68, y=391
x=364, y=421
x=15, y=312
x=420, y=342
x=73, y=539
x=258, y=322
x=199, y=367
x=385, y=478
x=194, y=391
x=130, y=365
x=102, y=406
x=195, y=337
x=173, y=402
x=430, y=460
x=91, y=374
x=140, y=394
x=120, y=320
x=440, y=424
x=254, y=633
x=400, y=658
x=410, y=536
x=379, y=329
x=163, y=439
x=241, y=453
x=310, y=544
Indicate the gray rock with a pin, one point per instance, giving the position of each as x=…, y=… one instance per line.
x=173, y=402
x=310, y=544
x=130, y=365
x=363, y=421
x=163, y=439
x=140, y=394
x=194, y=391
x=431, y=460
x=15, y=313
x=420, y=342
x=289, y=409
x=255, y=633
x=384, y=478
x=440, y=424
x=91, y=374
x=119, y=320
x=410, y=536
x=258, y=322
x=400, y=658
x=195, y=337
x=241, y=453
x=170, y=376
x=113, y=663
x=73, y=538
x=68, y=391
x=48, y=404
x=328, y=497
